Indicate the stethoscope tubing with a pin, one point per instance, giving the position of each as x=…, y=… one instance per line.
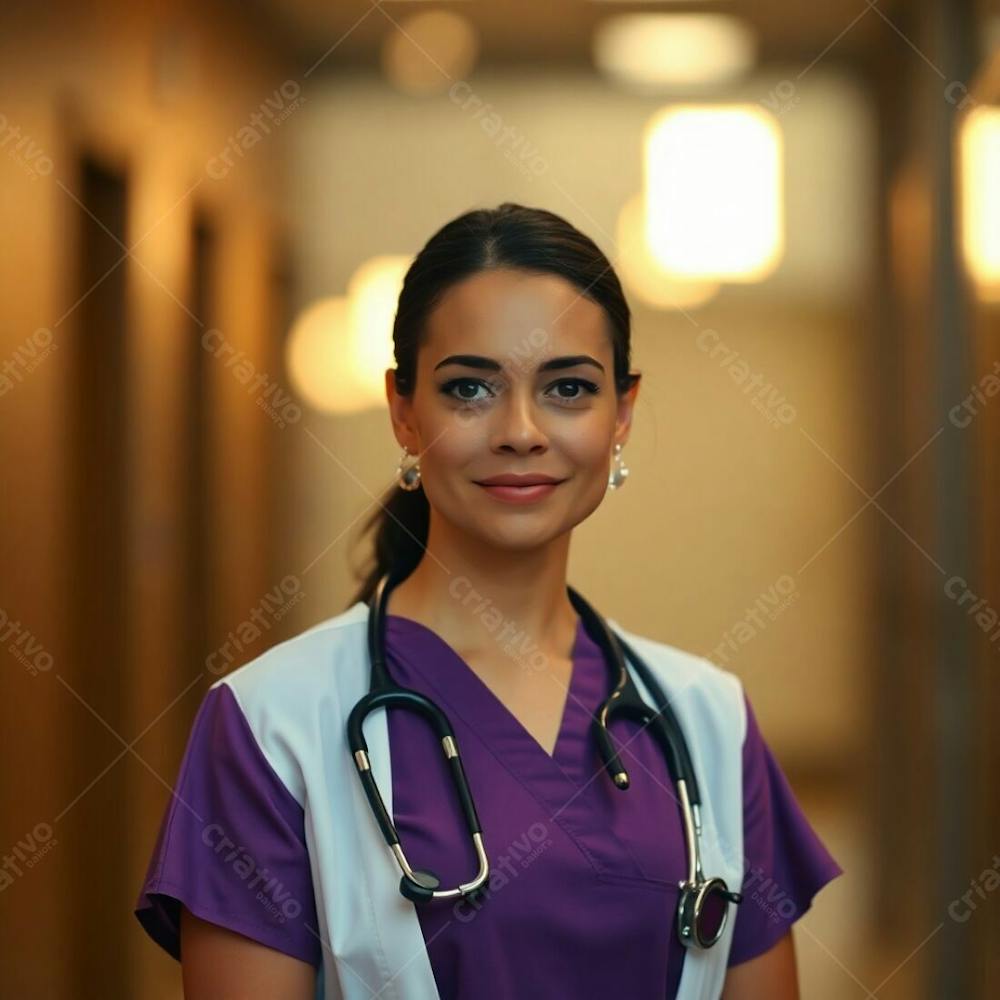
x=624, y=701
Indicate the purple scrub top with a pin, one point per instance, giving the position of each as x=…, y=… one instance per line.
x=583, y=886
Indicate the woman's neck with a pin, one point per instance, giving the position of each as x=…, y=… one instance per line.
x=483, y=602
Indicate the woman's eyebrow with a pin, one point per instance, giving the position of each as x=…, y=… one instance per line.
x=478, y=361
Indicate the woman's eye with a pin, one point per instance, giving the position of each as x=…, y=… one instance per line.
x=574, y=383
x=463, y=383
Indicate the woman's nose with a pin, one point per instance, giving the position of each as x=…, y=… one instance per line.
x=518, y=426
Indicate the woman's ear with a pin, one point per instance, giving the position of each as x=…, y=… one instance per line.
x=626, y=407
x=390, y=388
x=400, y=413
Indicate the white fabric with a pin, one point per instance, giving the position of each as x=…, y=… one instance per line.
x=296, y=698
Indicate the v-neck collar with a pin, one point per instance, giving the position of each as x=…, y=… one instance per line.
x=566, y=784
x=468, y=696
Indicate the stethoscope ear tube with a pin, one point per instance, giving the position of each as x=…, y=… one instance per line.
x=359, y=748
x=626, y=702
x=397, y=697
x=663, y=705
x=416, y=885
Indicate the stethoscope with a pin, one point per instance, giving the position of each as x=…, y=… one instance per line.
x=702, y=907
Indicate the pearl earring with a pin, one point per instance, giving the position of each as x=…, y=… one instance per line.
x=408, y=477
x=619, y=473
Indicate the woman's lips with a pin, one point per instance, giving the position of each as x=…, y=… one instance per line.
x=520, y=494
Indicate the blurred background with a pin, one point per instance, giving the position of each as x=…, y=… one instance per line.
x=207, y=210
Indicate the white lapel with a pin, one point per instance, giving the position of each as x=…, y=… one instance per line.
x=377, y=938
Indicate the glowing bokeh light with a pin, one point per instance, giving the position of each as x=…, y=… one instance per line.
x=653, y=51
x=644, y=275
x=980, y=172
x=714, y=191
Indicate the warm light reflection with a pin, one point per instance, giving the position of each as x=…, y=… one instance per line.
x=339, y=348
x=713, y=185
x=650, y=51
x=980, y=154
x=373, y=293
x=643, y=275
x=319, y=360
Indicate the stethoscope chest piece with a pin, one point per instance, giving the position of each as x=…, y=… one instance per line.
x=702, y=911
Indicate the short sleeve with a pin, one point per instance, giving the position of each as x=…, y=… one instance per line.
x=231, y=846
x=785, y=863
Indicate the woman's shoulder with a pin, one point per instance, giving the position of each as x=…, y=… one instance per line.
x=302, y=664
x=300, y=689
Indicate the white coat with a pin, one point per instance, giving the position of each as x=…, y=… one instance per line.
x=372, y=941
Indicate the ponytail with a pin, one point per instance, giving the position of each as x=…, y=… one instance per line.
x=400, y=526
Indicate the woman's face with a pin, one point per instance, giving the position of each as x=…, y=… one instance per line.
x=471, y=421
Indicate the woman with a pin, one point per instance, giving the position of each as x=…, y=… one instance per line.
x=513, y=388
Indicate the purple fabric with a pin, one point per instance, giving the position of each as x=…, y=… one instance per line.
x=584, y=890
x=231, y=845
